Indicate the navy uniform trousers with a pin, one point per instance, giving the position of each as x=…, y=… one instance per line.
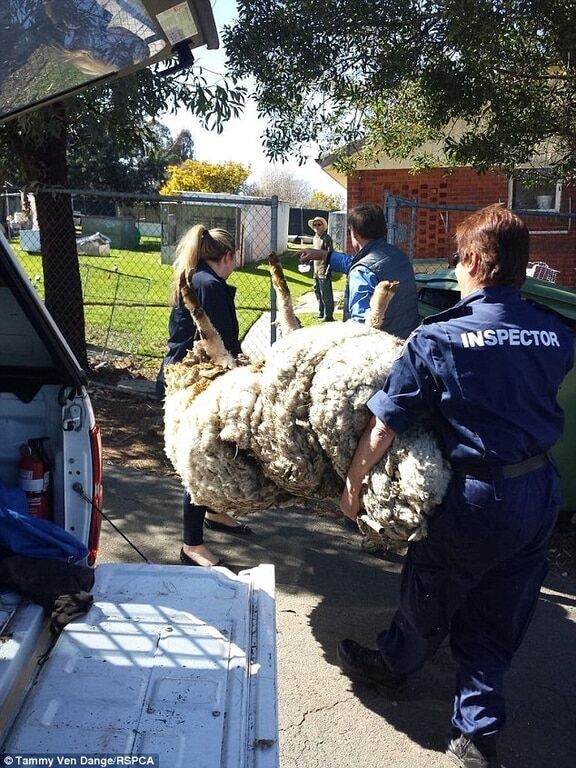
x=476, y=577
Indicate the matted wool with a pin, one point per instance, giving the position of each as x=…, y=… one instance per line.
x=288, y=450
x=249, y=438
x=206, y=439
x=344, y=380
x=403, y=489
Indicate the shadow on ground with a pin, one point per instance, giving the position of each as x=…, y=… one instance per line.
x=341, y=591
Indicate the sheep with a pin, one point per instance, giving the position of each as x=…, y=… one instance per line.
x=244, y=438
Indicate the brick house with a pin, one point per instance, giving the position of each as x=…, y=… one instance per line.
x=427, y=230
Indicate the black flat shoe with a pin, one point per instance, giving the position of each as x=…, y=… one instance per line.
x=234, y=530
x=185, y=560
x=464, y=753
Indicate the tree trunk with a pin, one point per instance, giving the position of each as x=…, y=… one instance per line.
x=62, y=283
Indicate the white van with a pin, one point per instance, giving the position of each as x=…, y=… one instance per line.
x=171, y=666
x=43, y=395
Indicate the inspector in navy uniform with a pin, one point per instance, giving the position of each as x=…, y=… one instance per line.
x=488, y=371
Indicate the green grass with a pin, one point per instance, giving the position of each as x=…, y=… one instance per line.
x=143, y=262
x=127, y=294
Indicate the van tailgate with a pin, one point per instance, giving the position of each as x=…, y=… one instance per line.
x=171, y=661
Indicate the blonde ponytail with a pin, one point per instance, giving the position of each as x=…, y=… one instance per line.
x=198, y=244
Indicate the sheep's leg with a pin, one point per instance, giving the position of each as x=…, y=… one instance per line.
x=380, y=300
x=287, y=319
x=213, y=344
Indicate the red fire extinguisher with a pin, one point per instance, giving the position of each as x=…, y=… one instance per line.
x=34, y=479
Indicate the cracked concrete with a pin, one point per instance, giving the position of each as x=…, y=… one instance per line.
x=327, y=588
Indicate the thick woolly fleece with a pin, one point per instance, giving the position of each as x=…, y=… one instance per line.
x=207, y=437
x=287, y=448
x=282, y=432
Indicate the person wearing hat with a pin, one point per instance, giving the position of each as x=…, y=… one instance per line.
x=322, y=276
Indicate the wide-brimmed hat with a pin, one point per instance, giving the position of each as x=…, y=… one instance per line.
x=320, y=219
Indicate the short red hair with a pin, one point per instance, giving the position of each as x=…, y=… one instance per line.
x=501, y=239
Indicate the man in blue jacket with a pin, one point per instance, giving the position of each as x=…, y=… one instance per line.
x=374, y=260
x=487, y=373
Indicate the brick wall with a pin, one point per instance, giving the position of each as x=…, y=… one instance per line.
x=553, y=240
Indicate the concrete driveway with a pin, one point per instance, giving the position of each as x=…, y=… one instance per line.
x=327, y=589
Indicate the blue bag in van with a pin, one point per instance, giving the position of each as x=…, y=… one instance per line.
x=25, y=535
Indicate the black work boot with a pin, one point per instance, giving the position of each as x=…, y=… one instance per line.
x=463, y=752
x=367, y=666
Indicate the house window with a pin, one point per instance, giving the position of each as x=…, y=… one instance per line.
x=535, y=190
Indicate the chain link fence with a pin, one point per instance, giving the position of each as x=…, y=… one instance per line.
x=125, y=247
x=427, y=233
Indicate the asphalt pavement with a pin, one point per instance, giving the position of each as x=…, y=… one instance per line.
x=327, y=588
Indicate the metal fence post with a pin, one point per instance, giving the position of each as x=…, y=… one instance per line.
x=412, y=235
x=390, y=208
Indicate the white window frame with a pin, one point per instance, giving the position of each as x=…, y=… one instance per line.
x=556, y=195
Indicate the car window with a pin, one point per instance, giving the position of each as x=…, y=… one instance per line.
x=32, y=350
x=52, y=48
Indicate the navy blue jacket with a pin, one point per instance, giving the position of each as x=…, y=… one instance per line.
x=488, y=372
x=217, y=299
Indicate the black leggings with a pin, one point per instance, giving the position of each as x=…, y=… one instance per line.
x=193, y=521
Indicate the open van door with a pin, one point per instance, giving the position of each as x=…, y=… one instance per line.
x=50, y=49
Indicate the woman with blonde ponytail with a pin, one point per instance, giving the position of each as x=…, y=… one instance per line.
x=205, y=258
